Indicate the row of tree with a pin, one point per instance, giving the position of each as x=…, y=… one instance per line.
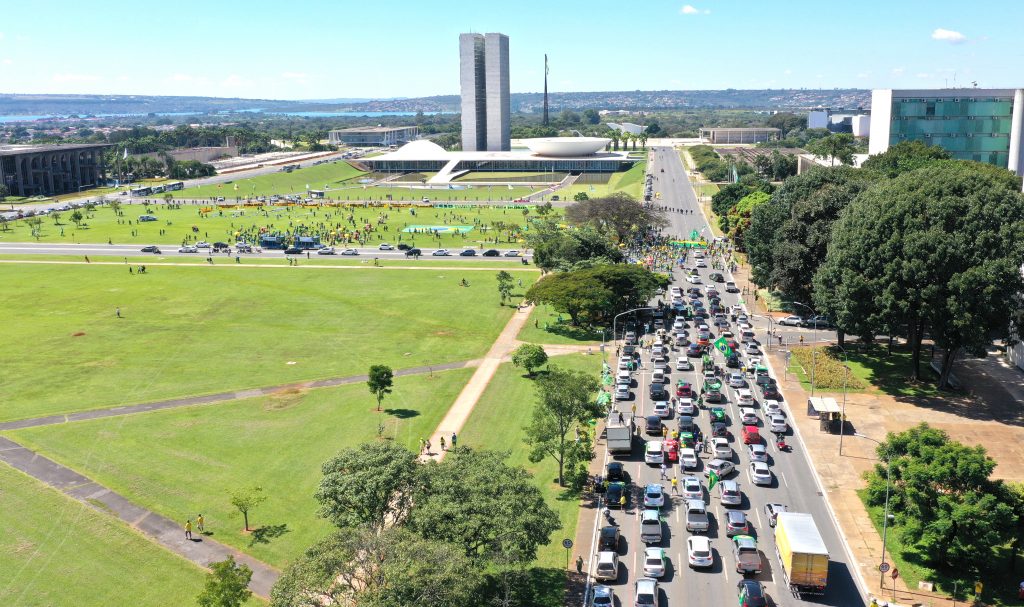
x=911, y=245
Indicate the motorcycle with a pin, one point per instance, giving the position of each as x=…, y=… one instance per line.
x=780, y=443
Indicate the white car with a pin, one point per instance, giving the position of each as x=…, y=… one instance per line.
x=202, y=244
x=736, y=380
x=757, y=453
x=760, y=473
x=791, y=321
x=772, y=408
x=678, y=325
x=654, y=562
x=701, y=263
x=751, y=348
x=646, y=592
x=622, y=392
x=687, y=459
x=694, y=280
x=729, y=493
x=744, y=397
x=654, y=496
x=721, y=448
x=441, y=253
x=692, y=489
x=698, y=550
x=748, y=416
x=663, y=409
x=385, y=247
x=350, y=252
x=683, y=364
x=624, y=364
x=188, y=249
x=721, y=467
x=325, y=251
x=685, y=406
x=777, y=423
x=655, y=452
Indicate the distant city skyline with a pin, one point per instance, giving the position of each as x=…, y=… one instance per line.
x=318, y=50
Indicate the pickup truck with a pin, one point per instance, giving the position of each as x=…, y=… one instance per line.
x=748, y=559
x=696, y=516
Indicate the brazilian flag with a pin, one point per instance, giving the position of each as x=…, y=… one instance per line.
x=723, y=347
x=713, y=479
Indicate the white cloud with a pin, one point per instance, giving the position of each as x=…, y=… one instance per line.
x=787, y=71
x=950, y=36
x=68, y=77
x=180, y=78
x=898, y=71
x=299, y=77
x=923, y=75
x=8, y=62
x=234, y=80
x=689, y=9
x=864, y=75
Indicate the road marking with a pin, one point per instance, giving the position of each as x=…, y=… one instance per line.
x=757, y=513
x=783, y=477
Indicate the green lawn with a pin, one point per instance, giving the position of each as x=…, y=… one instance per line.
x=630, y=182
x=507, y=404
x=328, y=177
x=189, y=330
x=180, y=462
x=891, y=373
x=58, y=551
x=460, y=193
x=175, y=225
x=546, y=326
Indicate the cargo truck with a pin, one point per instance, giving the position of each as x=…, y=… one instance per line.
x=619, y=435
x=802, y=553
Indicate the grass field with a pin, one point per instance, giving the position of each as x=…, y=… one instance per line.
x=333, y=224
x=630, y=182
x=58, y=551
x=326, y=177
x=186, y=330
x=184, y=461
x=507, y=404
x=546, y=326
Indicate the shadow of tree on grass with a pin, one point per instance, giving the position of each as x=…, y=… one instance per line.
x=263, y=535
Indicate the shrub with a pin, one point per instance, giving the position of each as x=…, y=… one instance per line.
x=828, y=369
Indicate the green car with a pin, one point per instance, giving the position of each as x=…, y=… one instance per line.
x=718, y=414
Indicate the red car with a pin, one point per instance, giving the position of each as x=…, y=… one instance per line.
x=751, y=435
x=684, y=390
x=672, y=448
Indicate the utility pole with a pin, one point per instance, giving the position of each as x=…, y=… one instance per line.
x=545, y=89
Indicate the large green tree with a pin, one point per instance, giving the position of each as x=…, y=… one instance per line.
x=837, y=147
x=738, y=219
x=368, y=486
x=476, y=501
x=583, y=298
x=617, y=215
x=565, y=402
x=227, y=584
x=904, y=157
x=380, y=380
x=391, y=568
x=555, y=246
x=530, y=357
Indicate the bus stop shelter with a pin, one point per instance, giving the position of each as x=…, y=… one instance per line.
x=827, y=411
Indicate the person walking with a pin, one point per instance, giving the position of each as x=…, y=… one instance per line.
x=117, y=312
x=428, y=446
x=622, y=500
x=422, y=443
x=199, y=523
x=442, y=444
x=675, y=485
x=579, y=564
x=664, y=475
x=188, y=529
x=454, y=438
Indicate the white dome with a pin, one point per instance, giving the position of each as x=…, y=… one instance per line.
x=421, y=149
x=566, y=146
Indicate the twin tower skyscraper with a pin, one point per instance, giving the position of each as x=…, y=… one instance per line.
x=483, y=74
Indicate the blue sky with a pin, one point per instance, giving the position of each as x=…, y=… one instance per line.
x=313, y=49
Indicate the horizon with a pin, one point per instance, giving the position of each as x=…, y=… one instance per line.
x=707, y=45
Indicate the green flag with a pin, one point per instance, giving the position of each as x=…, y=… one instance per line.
x=723, y=347
x=713, y=480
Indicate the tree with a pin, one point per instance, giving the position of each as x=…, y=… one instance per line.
x=4, y=192
x=653, y=129
x=227, y=584
x=35, y=225
x=77, y=217
x=394, y=568
x=504, y=285
x=643, y=139
x=476, y=501
x=738, y=219
x=368, y=486
x=554, y=246
x=529, y=357
x=618, y=215
x=246, y=499
x=591, y=117
x=544, y=209
x=579, y=196
x=837, y=146
x=582, y=298
x=904, y=157
x=615, y=137
x=115, y=206
x=381, y=378
x=565, y=401
x=56, y=215
x=569, y=117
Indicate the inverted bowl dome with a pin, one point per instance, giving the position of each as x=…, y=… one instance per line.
x=566, y=146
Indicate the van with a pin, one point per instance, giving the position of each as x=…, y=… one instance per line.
x=746, y=335
x=607, y=566
x=650, y=527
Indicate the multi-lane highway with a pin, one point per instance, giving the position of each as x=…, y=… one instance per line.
x=794, y=482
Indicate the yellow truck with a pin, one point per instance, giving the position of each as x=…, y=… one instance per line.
x=802, y=553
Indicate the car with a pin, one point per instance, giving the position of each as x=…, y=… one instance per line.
x=242, y=247
x=777, y=424
x=615, y=472
x=654, y=496
x=721, y=448
x=748, y=416
x=663, y=409
x=695, y=280
x=622, y=392
x=293, y=251
x=687, y=459
x=624, y=376
x=512, y=253
x=683, y=364
x=608, y=538
x=698, y=551
x=658, y=375
x=701, y=263
x=491, y=253
x=817, y=322
x=152, y=248
x=413, y=252
x=757, y=452
x=733, y=361
x=717, y=277
x=607, y=567
x=659, y=391
x=751, y=593
x=730, y=287
x=614, y=493
x=685, y=423
x=751, y=435
x=692, y=489
x=655, y=562
x=684, y=389
x=751, y=349
x=202, y=244
x=326, y=251
x=188, y=249
x=771, y=391
x=791, y=321
x=736, y=523
x=441, y=253
x=772, y=407
x=694, y=350
x=603, y=596
x=686, y=406
x=720, y=429
x=729, y=493
x=772, y=510
x=403, y=246
x=718, y=415
x=654, y=452
x=760, y=473
x=220, y=246
x=467, y=253
x=645, y=592
x=736, y=380
x=721, y=468
x=385, y=247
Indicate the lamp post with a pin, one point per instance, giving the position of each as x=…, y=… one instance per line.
x=846, y=376
x=885, y=517
x=616, y=320
x=814, y=338
x=771, y=323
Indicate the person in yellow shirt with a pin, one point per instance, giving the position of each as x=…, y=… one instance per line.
x=199, y=523
x=675, y=485
x=188, y=529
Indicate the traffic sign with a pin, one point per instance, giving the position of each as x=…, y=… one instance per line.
x=895, y=572
x=567, y=543
x=883, y=567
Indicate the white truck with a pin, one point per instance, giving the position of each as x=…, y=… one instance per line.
x=619, y=433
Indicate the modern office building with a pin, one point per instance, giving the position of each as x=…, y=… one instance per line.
x=985, y=125
x=48, y=170
x=720, y=135
x=855, y=122
x=486, y=109
x=374, y=135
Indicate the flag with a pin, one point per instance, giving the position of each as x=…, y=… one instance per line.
x=125, y=155
x=723, y=347
x=712, y=480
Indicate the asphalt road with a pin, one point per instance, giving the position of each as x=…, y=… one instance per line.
x=793, y=484
x=31, y=248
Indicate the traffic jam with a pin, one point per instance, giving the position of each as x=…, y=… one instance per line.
x=695, y=502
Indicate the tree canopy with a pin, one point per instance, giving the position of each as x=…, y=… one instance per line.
x=530, y=357
x=837, y=147
x=368, y=486
x=617, y=215
x=904, y=157
x=556, y=247
x=565, y=401
x=595, y=294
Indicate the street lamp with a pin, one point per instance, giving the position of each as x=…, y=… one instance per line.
x=616, y=319
x=771, y=322
x=814, y=338
x=885, y=517
x=846, y=376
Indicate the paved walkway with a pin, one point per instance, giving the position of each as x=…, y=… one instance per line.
x=219, y=397
x=461, y=409
x=169, y=534
x=365, y=266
